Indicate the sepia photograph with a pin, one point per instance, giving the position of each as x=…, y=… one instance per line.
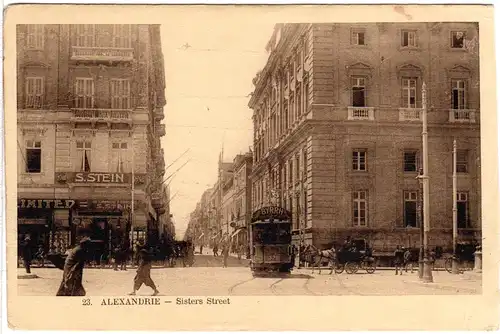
x=187, y=163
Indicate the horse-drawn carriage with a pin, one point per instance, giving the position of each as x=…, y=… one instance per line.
x=354, y=255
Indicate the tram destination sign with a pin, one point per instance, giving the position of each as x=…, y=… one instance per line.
x=45, y=203
x=117, y=178
x=271, y=212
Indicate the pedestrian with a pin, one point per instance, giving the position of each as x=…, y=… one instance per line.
x=293, y=252
x=27, y=253
x=143, y=275
x=216, y=250
x=71, y=284
x=225, y=255
x=407, y=260
x=123, y=254
x=398, y=259
x=201, y=249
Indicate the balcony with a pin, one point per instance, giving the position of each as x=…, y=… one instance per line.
x=93, y=115
x=410, y=114
x=462, y=116
x=95, y=53
x=160, y=130
x=159, y=114
x=361, y=113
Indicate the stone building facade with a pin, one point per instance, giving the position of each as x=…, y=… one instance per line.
x=337, y=130
x=90, y=103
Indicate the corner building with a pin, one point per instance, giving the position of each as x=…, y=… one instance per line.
x=90, y=102
x=338, y=130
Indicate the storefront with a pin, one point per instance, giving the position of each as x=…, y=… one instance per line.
x=46, y=221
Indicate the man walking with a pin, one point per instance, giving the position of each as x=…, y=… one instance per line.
x=399, y=259
x=143, y=275
x=27, y=253
x=71, y=284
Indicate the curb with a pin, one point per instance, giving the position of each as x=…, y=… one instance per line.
x=444, y=287
x=28, y=276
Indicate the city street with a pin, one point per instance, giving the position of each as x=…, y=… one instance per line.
x=208, y=277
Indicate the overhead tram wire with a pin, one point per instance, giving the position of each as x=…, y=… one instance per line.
x=177, y=159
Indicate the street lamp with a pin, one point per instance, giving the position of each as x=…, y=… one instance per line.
x=427, y=270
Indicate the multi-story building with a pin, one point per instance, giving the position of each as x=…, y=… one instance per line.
x=338, y=130
x=242, y=199
x=90, y=102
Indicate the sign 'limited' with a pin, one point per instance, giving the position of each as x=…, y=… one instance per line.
x=101, y=178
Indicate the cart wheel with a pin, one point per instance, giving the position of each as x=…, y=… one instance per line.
x=339, y=268
x=351, y=267
x=370, y=267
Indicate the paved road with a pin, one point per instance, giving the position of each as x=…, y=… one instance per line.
x=209, y=278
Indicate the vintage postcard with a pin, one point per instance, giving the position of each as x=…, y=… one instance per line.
x=181, y=167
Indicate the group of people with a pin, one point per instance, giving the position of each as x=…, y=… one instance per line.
x=225, y=250
x=71, y=284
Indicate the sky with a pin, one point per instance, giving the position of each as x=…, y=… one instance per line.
x=209, y=70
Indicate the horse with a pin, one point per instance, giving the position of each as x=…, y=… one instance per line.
x=317, y=257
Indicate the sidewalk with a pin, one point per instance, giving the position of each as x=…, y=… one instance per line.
x=468, y=282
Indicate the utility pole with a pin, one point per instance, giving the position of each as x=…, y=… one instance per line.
x=427, y=274
x=454, y=264
x=132, y=197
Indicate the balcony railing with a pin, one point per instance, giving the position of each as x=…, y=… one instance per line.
x=102, y=53
x=361, y=113
x=101, y=115
x=462, y=116
x=410, y=114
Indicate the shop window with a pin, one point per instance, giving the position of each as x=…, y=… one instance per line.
x=33, y=156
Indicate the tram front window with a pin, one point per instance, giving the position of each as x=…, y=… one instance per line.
x=271, y=234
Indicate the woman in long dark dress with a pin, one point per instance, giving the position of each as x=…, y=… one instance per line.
x=71, y=284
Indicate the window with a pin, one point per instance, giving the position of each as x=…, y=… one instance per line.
x=84, y=93
x=297, y=168
x=299, y=103
x=120, y=94
x=35, y=36
x=410, y=161
x=358, y=38
x=85, y=35
x=462, y=210
x=409, y=92
x=305, y=207
x=358, y=91
x=462, y=161
x=409, y=38
x=290, y=172
x=359, y=160
x=457, y=39
x=359, y=208
x=33, y=156
x=34, y=92
x=298, y=213
x=304, y=163
x=119, y=156
x=410, y=208
x=122, y=35
x=84, y=150
x=458, y=94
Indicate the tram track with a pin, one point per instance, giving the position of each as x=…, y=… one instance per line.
x=305, y=286
x=232, y=287
x=273, y=286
